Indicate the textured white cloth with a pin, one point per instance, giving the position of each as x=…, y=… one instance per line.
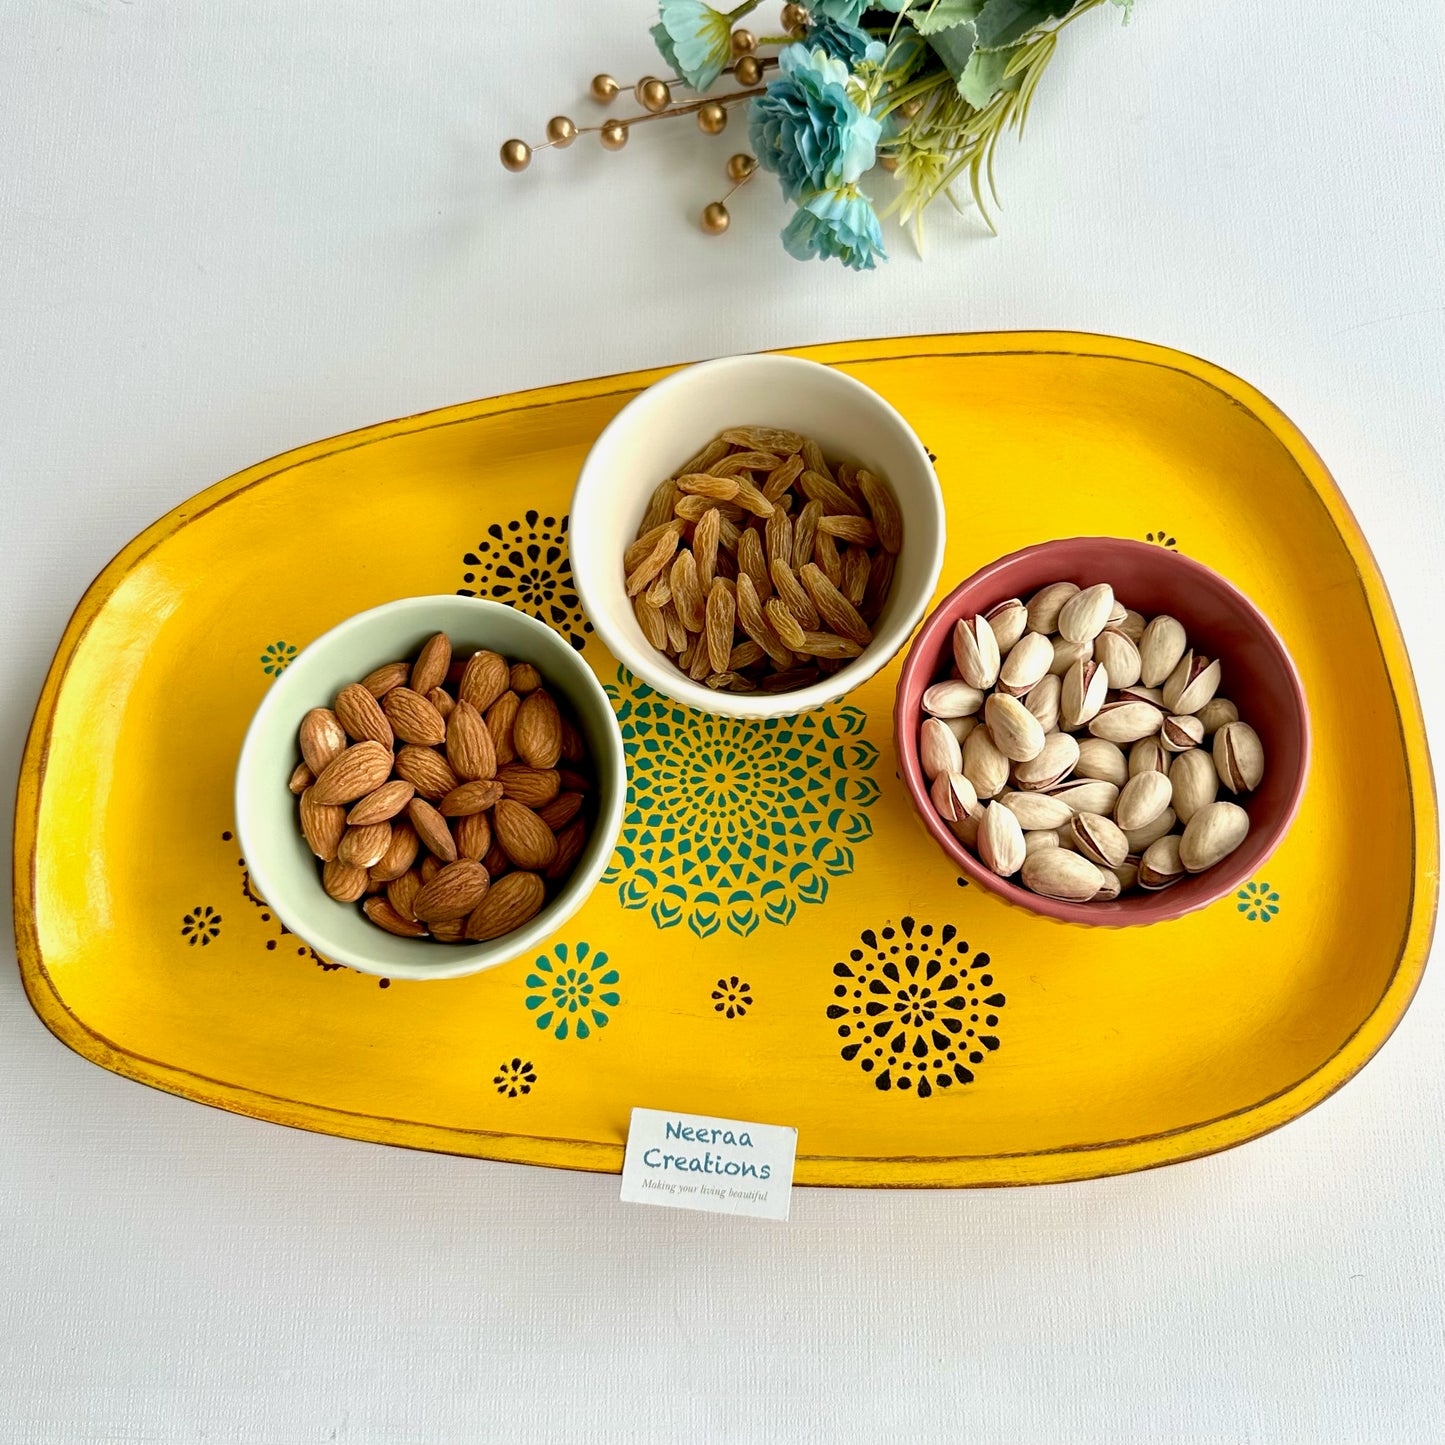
x=226, y=229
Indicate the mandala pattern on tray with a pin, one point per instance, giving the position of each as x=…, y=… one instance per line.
x=736, y=820
x=574, y=991
x=525, y=563
x=914, y=1011
x=1258, y=902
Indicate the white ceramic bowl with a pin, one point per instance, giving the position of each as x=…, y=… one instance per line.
x=281, y=865
x=660, y=428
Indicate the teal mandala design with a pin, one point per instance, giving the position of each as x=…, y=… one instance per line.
x=736, y=821
x=1258, y=902
x=574, y=991
x=277, y=658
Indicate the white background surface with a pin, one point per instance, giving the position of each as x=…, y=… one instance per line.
x=226, y=229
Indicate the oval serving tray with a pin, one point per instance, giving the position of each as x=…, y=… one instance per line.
x=777, y=939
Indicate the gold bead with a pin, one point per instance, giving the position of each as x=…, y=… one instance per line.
x=712, y=118
x=715, y=218
x=613, y=135
x=741, y=166
x=749, y=70
x=910, y=108
x=516, y=155
x=603, y=88
x=744, y=42
x=561, y=131
x=889, y=163
x=795, y=21
x=653, y=94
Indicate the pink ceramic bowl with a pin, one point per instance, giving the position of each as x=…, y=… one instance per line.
x=1259, y=678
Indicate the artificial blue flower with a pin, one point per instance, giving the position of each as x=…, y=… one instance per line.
x=840, y=224
x=695, y=39
x=808, y=129
x=846, y=42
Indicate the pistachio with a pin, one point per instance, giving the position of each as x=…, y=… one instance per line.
x=1098, y=839
x=1180, y=732
x=1119, y=656
x=1117, y=613
x=960, y=727
x=1239, y=757
x=1086, y=685
x=1193, y=783
x=965, y=829
x=1046, y=604
x=1001, y=841
x=1149, y=755
x=1126, y=722
x=952, y=699
x=1087, y=795
x=1099, y=758
x=1058, y=758
x=1015, y=730
x=1141, y=838
x=1213, y=833
x=1160, y=865
x=1215, y=713
x=1042, y=699
x=1109, y=887
x=953, y=796
x=975, y=650
x=1127, y=873
x=938, y=750
x=1132, y=626
x=1139, y=693
x=1160, y=648
x=1038, y=839
x=1028, y=660
x=1009, y=621
x=1086, y=614
x=1066, y=654
x=1062, y=874
x=1143, y=798
x=1037, y=810
x=1192, y=683
x=983, y=765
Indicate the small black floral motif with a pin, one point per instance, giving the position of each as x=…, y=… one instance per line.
x=732, y=998
x=201, y=925
x=515, y=1078
x=1161, y=538
x=525, y=564
x=914, y=1010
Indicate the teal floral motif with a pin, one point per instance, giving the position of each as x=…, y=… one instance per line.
x=277, y=658
x=734, y=820
x=1258, y=902
x=573, y=997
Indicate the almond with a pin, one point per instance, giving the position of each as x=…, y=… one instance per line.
x=441, y=700
x=430, y=668
x=322, y=825
x=427, y=771
x=401, y=892
x=484, y=680
x=400, y=853
x=524, y=837
x=500, y=718
x=432, y=829
x=429, y=867
x=452, y=931
x=569, y=848
x=353, y=774
x=537, y=732
x=322, y=738
x=560, y=811
x=413, y=719
x=382, y=804
x=474, y=797
x=453, y=893
x=386, y=677
x=532, y=786
x=495, y=861
x=361, y=715
x=301, y=778
x=343, y=882
x=472, y=834
x=574, y=749
x=573, y=782
x=509, y=903
x=381, y=913
x=366, y=846
x=470, y=749
x=524, y=678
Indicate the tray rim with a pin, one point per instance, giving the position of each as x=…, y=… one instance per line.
x=1065, y=1163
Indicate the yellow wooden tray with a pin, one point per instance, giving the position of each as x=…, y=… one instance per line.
x=771, y=887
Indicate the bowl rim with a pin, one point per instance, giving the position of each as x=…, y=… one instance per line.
x=457, y=960
x=667, y=680
x=905, y=741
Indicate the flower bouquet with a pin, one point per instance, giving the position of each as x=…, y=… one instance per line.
x=921, y=89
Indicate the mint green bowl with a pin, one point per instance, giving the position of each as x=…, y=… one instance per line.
x=282, y=867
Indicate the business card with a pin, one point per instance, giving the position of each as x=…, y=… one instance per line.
x=725, y=1166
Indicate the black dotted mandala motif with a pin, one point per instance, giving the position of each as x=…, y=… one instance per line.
x=525, y=563
x=914, y=1010
x=514, y=1078
x=1161, y=538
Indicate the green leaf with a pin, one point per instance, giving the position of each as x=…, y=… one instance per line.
x=1127, y=6
x=945, y=15
x=984, y=76
x=1001, y=22
x=954, y=48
